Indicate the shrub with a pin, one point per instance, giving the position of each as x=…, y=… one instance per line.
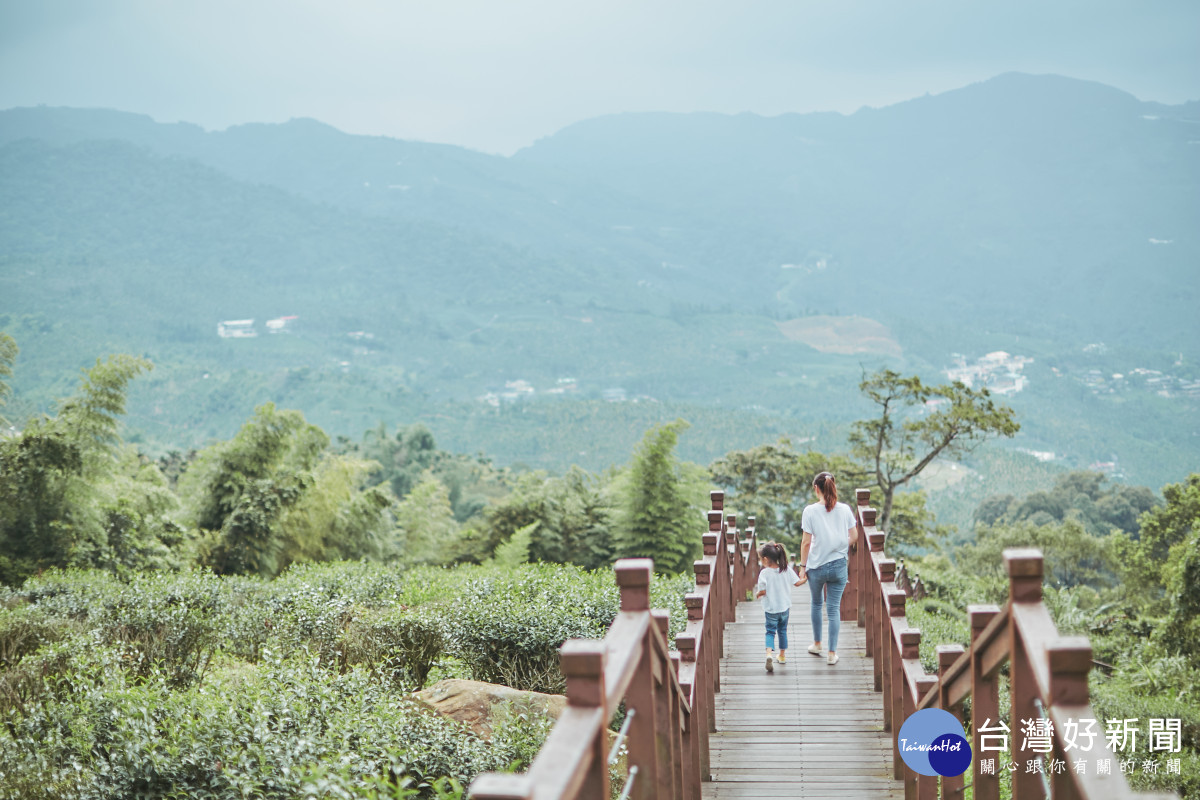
x=239, y=735
x=399, y=645
x=507, y=625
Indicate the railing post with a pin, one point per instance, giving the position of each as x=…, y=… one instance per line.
x=985, y=703
x=1070, y=660
x=633, y=578
x=719, y=593
x=666, y=711
x=947, y=655
x=703, y=712
x=1025, y=571
x=910, y=648
x=883, y=635
x=893, y=709
x=927, y=785
x=866, y=519
x=854, y=581
x=582, y=662
x=707, y=662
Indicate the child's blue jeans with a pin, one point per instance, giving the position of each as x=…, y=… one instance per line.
x=777, y=623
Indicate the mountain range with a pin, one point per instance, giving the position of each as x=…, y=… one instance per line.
x=670, y=257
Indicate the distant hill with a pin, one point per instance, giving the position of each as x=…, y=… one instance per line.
x=664, y=258
x=996, y=203
x=1019, y=203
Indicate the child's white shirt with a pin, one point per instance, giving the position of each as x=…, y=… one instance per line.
x=779, y=588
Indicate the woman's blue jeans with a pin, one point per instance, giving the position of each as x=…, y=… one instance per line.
x=777, y=623
x=832, y=575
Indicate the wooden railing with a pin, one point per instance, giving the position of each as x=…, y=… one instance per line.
x=1048, y=679
x=668, y=695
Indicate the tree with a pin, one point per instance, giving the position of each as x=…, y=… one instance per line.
x=8, y=356
x=272, y=495
x=919, y=423
x=659, y=515
x=340, y=516
x=426, y=523
x=64, y=500
x=1151, y=561
x=404, y=459
x=1073, y=557
x=773, y=483
x=913, y=526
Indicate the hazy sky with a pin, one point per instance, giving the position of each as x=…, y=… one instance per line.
x=495, y=75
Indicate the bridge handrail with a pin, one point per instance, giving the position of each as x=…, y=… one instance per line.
x=1048, y=674
x=668, y=695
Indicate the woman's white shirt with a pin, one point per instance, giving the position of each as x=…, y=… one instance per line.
x=829, y=531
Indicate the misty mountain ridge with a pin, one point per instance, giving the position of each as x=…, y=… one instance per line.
x=1021, y=208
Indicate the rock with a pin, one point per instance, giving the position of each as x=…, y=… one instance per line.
x=475, y=703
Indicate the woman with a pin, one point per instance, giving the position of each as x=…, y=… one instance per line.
x=829, y=528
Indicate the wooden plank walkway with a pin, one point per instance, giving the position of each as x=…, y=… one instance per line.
x=808, y=730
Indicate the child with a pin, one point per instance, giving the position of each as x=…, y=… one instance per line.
x=775, y=583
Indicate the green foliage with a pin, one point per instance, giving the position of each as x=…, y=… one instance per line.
x=274, y=494
x=340, y=516
x=8, y=355
x=406, y=460
x=1181, y=633
x=575, y=515
x=659, y=505
x=773, y=483
x=913, y=527
x=425, y=521
x=255, y=733
x=507, y=626
x=907, y=436
x=1073, y=556
x=1151, y=559
x=71, y=495
x=199, y=685
x=272, y=443
x=515, y=551
x=1142, y=627
x=1085, y=496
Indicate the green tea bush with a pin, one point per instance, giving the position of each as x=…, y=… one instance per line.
x=196, y=686
x=165, y=623
x=1151, y=686
x=507, y=625
x=25, y=629
x=400, y=645
x=249, y=735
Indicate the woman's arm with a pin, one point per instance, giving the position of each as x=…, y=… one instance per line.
x=805, y=546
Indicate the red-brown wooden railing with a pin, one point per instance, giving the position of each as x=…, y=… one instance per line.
x=668, y=695
x=1048, y=676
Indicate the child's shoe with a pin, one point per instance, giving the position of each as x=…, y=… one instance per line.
x=770, y=664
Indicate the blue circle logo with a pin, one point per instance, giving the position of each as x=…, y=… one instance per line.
x=932, y=742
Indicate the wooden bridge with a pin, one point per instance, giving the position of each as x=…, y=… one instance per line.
x=706, y=722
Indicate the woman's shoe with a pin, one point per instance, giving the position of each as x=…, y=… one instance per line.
x=816, y=651
x=833, y=659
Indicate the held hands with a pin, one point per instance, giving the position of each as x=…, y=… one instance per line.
x=760, y=593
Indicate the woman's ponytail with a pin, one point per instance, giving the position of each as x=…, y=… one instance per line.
x=828, y=488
